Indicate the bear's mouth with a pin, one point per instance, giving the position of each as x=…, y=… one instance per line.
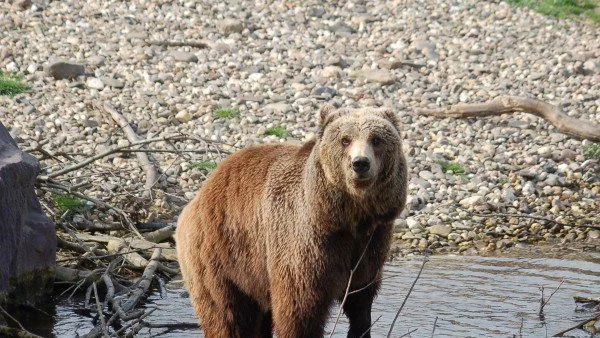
x=362, y=181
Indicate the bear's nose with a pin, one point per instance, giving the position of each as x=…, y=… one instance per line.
x=361, y=164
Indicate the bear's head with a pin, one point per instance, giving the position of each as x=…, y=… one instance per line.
x=359, y=149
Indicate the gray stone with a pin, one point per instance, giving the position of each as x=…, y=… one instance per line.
x=112, y=82
x=528, y=188
x=96, y=61
x=277, y=108
x=324, y=91
x=471, y=201
x=426, y=175
x=94, y=83
x=28, y=241
x=316, y=11
x=440, y=230
x=378, y=76
x=594, y=234
x=508, y=195
x=400, y=224
x=591, y=67
x=64, y=70
x=182, y=56
x=229, y=26
x=340, y=27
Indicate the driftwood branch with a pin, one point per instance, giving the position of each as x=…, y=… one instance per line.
x=149, y=168
x=509, y=104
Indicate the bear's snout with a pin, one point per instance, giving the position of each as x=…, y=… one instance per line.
x=361, y=164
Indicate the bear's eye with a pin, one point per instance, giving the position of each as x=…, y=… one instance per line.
x=376, y=140
x=345, y=141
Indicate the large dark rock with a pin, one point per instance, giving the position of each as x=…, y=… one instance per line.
x=27, y=235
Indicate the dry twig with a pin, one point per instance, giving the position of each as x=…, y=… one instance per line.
x=425, y=260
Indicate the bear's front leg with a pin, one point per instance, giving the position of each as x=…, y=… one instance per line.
x=358, y=310
x=300, y=307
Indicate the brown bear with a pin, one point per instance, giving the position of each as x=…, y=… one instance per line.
x=269, y=241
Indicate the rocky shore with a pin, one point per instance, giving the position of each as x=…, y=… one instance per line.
x=231, y=74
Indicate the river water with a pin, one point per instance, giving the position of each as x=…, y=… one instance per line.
x=470, y=296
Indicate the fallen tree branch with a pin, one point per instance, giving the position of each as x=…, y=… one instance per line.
x=124, y=310
x=509, y=104
x=195, y=44
x=160, y=235
x=104, y=154
x=149, y=168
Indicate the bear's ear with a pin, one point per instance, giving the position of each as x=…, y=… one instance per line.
x=391, y=116
x=325, y=114
x=328, y=113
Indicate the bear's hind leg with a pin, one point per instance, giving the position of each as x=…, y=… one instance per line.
x=225, y=311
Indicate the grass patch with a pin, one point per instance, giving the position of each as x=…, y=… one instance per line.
x=204, y=165
x=592, y=152
x=226, y=113
x=12, y=84
x=278, y=131
x=454, y=167
x=68, y=202
x=562, y=8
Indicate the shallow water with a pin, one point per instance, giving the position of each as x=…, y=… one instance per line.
x=470, y=296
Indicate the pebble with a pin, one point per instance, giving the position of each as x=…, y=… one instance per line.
x=94, y=83
x=182, y=56
x=112, y=82
x=183, y=116
x=64, y=70
x=378, y=76
x=229, y=26
x=471, y=201
x=440, y=230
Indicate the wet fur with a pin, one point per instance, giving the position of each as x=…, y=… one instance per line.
x=269, y=241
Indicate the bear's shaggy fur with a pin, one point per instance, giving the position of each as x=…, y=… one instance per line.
x=269, y=241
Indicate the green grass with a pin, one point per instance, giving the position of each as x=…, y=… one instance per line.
x=592, y=152
x=204, y=165
x=563, y=8
x=454, y=167
x=226, y=113
x=68, y=202
x=12, y=85
x=278, y=131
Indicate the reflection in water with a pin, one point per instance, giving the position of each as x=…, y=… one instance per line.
x=471, y=296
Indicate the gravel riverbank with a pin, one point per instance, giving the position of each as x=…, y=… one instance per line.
x=274, y=64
